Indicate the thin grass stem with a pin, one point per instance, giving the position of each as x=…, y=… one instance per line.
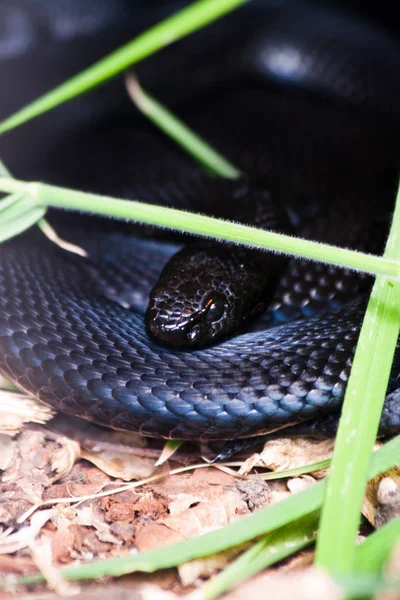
x=58, y=197
x=180, y=132
x=362, y=408
x=171, y=29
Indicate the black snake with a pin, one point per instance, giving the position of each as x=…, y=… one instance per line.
x=303, y=103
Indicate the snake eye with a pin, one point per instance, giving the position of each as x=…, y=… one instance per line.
x=215, y=308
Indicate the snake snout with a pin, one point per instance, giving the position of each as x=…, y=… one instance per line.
x=182, y=327
x=162, y=333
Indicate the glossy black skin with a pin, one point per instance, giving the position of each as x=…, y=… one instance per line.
x=210, y=290
x=67, y=334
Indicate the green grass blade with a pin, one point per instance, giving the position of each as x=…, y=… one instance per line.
x=181, y=133
x=58, y=197
x=296, y=471
x=186, y=21
x=361, y=413
x=18, y=215
x=372, y=554
x=4, y=172
x=192, y=144
x=8, y=201
x=248, y=528
x=19, y=224
x=368, y=587
x=274, y=547
x=244, y=530
x=16, y=209
x=385, y=458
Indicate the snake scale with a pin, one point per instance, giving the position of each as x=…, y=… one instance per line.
x=304, y=103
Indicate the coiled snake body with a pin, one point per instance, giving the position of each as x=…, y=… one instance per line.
x=72, y=330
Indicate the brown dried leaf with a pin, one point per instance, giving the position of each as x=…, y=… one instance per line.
x=120, y=464
x=62, y=544
x=257, y=494
x=7, y=449
x=206, y=484
x=26, y=535
x=42, y=555
x=17, y=408
x=83, y=480
x=29, y=474
x=91, y=517
x=64, y=458
x=204, y=517
x=156, y=535
x=215, y=506
x=289, y=453
x=211, y=476
x=181, y=503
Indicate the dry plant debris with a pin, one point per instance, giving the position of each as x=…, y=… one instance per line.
x=69, y=494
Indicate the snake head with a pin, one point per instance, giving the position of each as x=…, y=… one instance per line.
x=207, y=292
x=189, y=321
x=191, y=305
x=211, y=290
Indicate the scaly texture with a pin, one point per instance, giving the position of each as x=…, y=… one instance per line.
x=72, y=331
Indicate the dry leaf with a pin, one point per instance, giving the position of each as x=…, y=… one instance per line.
x=213, y=511
x=289, y=453
x=26, y=535
x=182, y=502
x=30, y=473
x=17, y=408
x=42, y=555
x=7, y=449
x=62, y=544
x=83, y=480
x=64, y=458
x=120, y=464
x=90, y=517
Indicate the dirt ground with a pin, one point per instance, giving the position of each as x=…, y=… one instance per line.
x=72, y=492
